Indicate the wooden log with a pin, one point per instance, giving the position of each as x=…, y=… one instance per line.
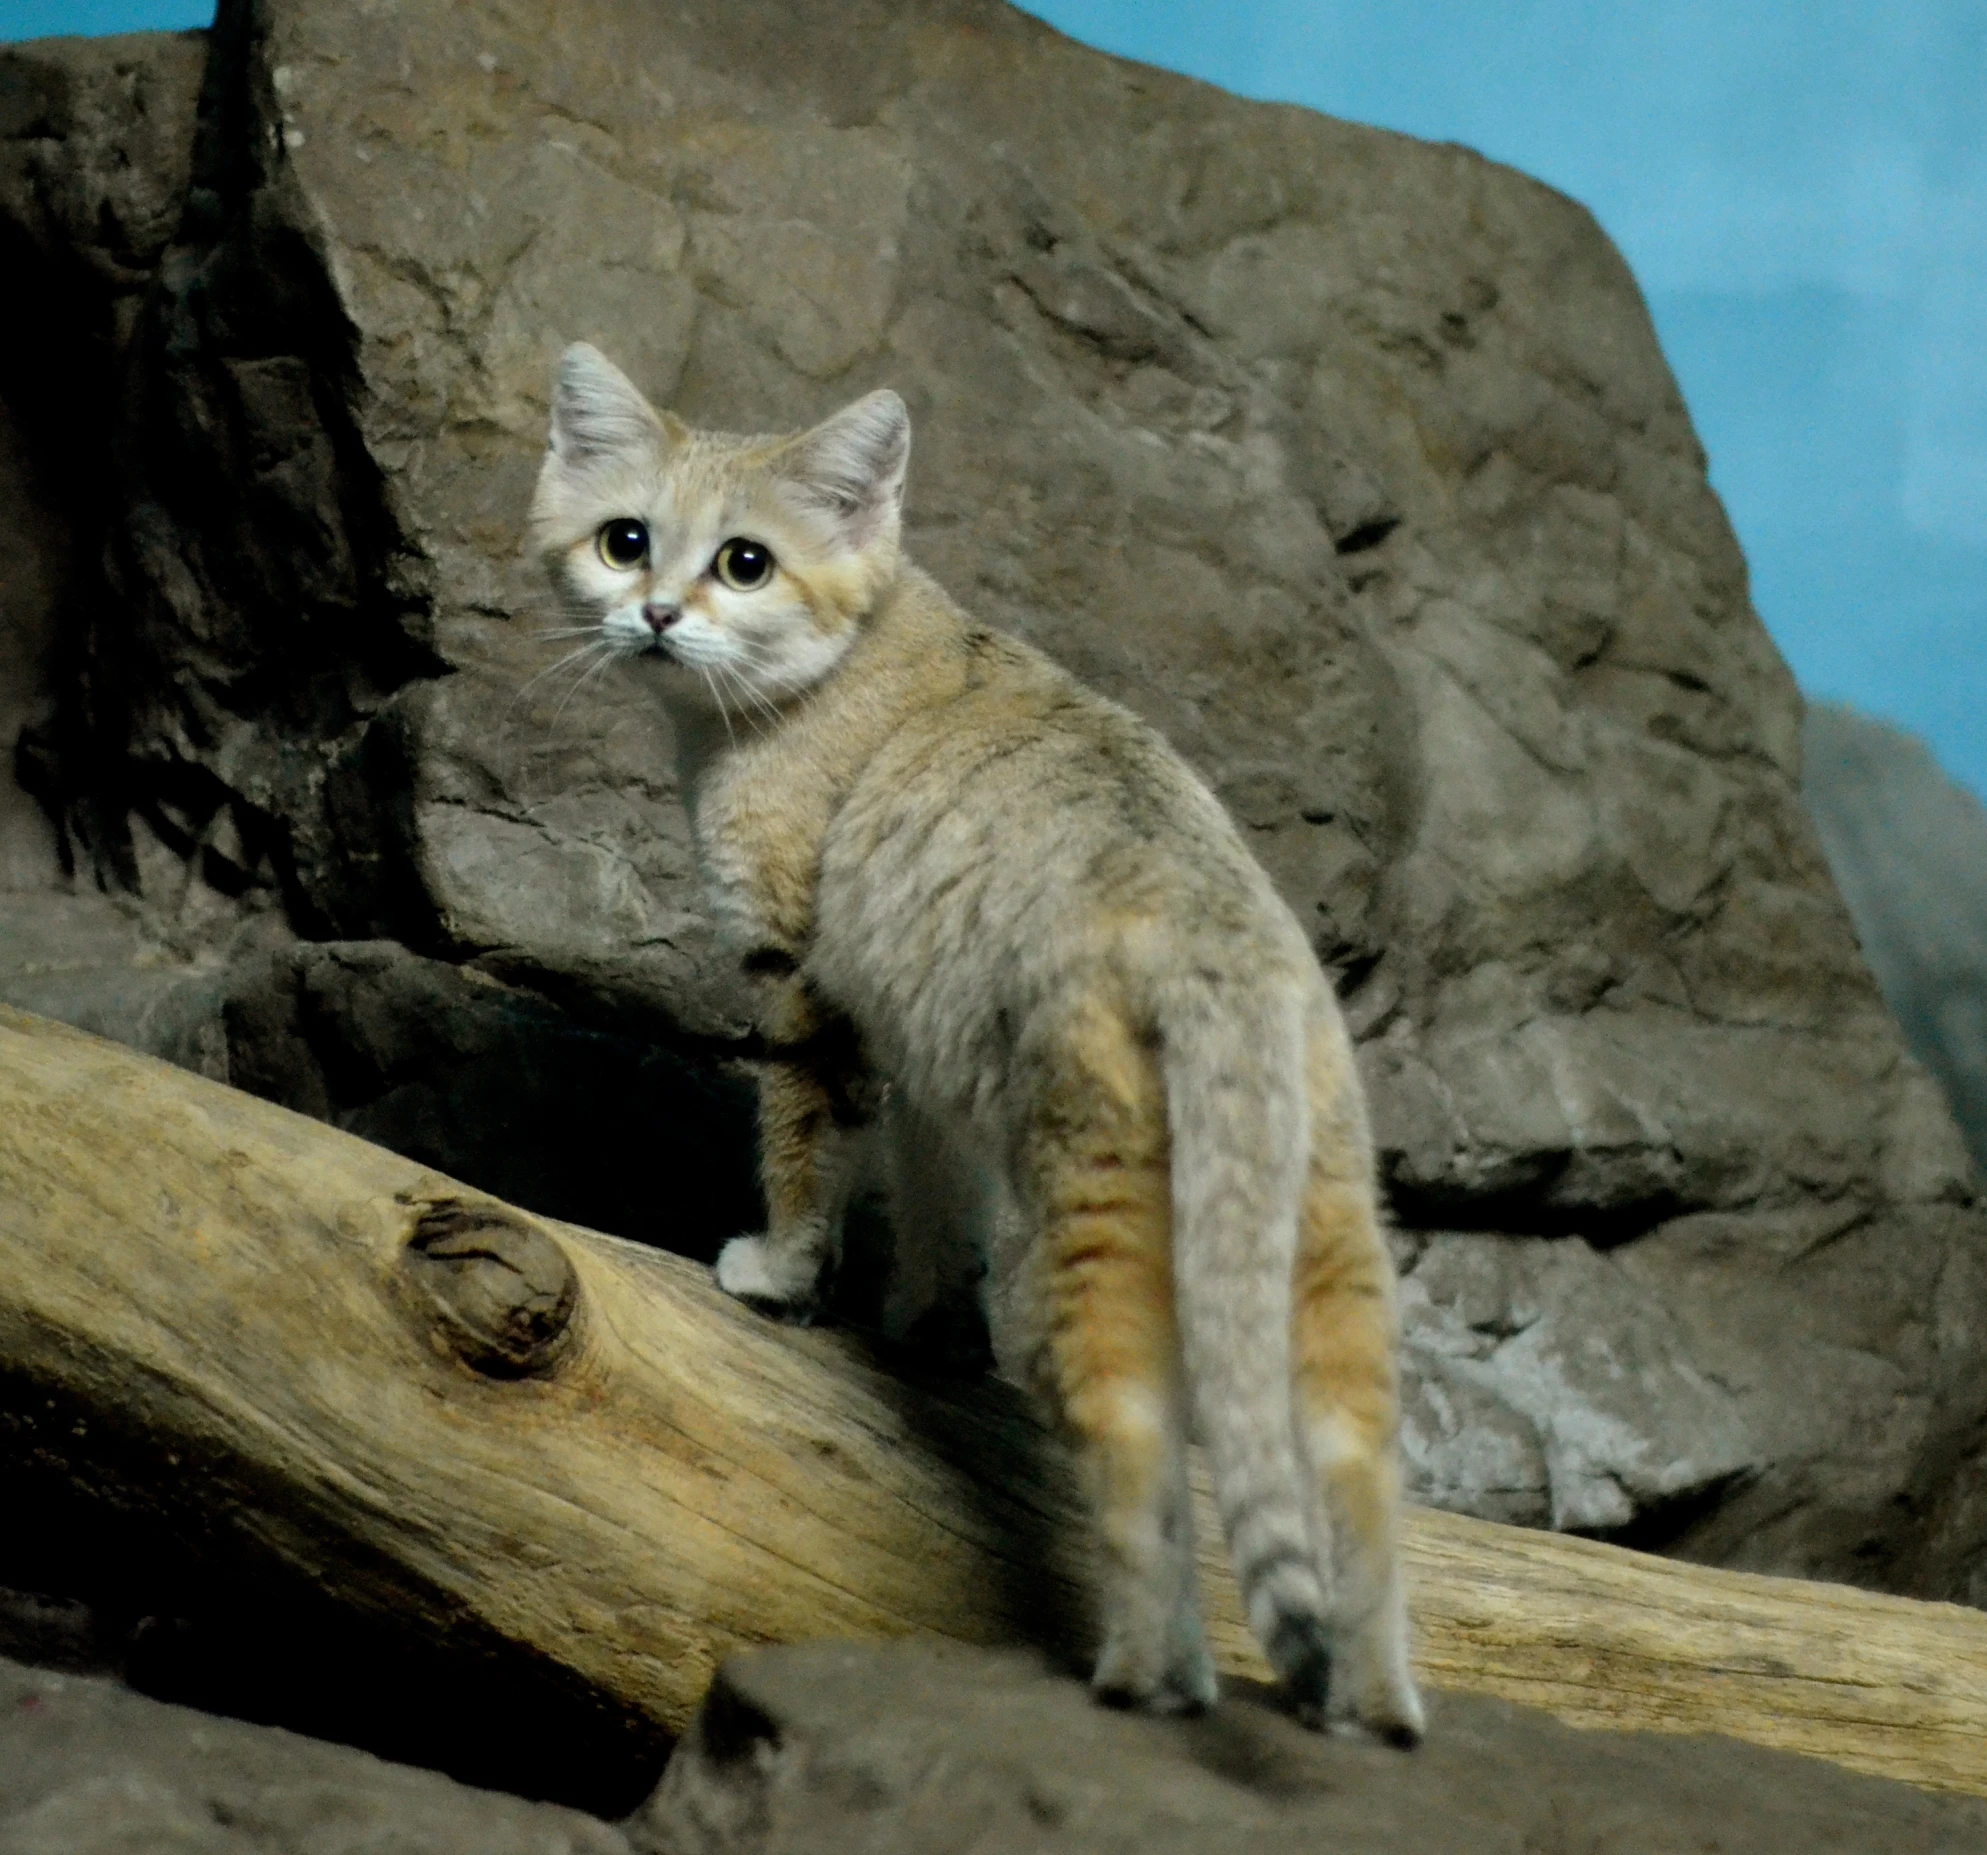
x=436, y=1406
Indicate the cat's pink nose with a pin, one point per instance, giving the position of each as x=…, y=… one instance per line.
x=661, y=617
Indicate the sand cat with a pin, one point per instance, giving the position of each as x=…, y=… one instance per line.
x=953, y=867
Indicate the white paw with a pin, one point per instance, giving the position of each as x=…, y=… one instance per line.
x=1185, y=1685
x=756, y=1270
x=1374, y=1695
x=1397, y=1717
x=1193, y=1679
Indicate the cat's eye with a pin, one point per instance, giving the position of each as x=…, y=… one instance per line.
x=623, y=543
x=743, y=565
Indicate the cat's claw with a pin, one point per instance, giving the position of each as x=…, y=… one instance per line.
x=774, y=1281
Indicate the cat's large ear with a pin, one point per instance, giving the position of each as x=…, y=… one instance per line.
x=597, y=411
x=852, y=465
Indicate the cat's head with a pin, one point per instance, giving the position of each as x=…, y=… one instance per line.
x=741, y=567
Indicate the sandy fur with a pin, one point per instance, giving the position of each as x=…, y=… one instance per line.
x=1032, y=920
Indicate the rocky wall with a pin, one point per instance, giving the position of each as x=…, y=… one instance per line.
x=1908, y=848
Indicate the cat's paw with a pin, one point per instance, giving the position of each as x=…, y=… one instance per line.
x=1374, y=1695
x=776, y=1280
x=1186, y=1685
x=1191, y=1685
x=1389, y=1711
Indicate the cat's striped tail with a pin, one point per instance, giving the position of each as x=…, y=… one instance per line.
x=1239, y=1121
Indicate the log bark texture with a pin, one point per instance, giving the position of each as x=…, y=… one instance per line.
x=442, y=1409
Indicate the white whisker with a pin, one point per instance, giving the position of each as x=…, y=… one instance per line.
x=757, y=698
x=609, y=657
x=552, y=669
x=717, y=696
x=746, y=693
x=754, y=656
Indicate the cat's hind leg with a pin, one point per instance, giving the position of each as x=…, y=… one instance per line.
x=941, y=1199
x=1347, y=1387
x=1097, y=1183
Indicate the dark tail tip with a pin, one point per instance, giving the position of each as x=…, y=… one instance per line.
x=1301, y=1653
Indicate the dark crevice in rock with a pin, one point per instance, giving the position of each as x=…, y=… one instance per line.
x=1660, y=1524
x=500, y=1089
x=1366, y=535
x=258, y=572
x=1530, y=1208
x=83, y=221
x=1350, y=969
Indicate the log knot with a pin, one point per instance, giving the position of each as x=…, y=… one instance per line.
x=501, y=1293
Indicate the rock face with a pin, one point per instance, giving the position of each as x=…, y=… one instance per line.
x=96, y=144
x=832, y=1750
x=96, y=149
x=1908, y=849
x=89, y=1768
x=96, y=141
x=1349, y=461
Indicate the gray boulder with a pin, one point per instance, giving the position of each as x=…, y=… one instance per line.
x=1548, y=1386
x=1348, y=460
x=88, y=1767
x=873, y=1751
x=1908, y=848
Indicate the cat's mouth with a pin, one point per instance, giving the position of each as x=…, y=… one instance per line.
x=654, y=644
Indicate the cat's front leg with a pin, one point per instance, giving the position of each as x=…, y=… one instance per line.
x=804, y=1161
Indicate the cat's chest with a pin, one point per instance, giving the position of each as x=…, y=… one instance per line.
x=760, y=848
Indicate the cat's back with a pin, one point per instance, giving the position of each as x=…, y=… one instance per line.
x=1016, y=766
x=1018, y=834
